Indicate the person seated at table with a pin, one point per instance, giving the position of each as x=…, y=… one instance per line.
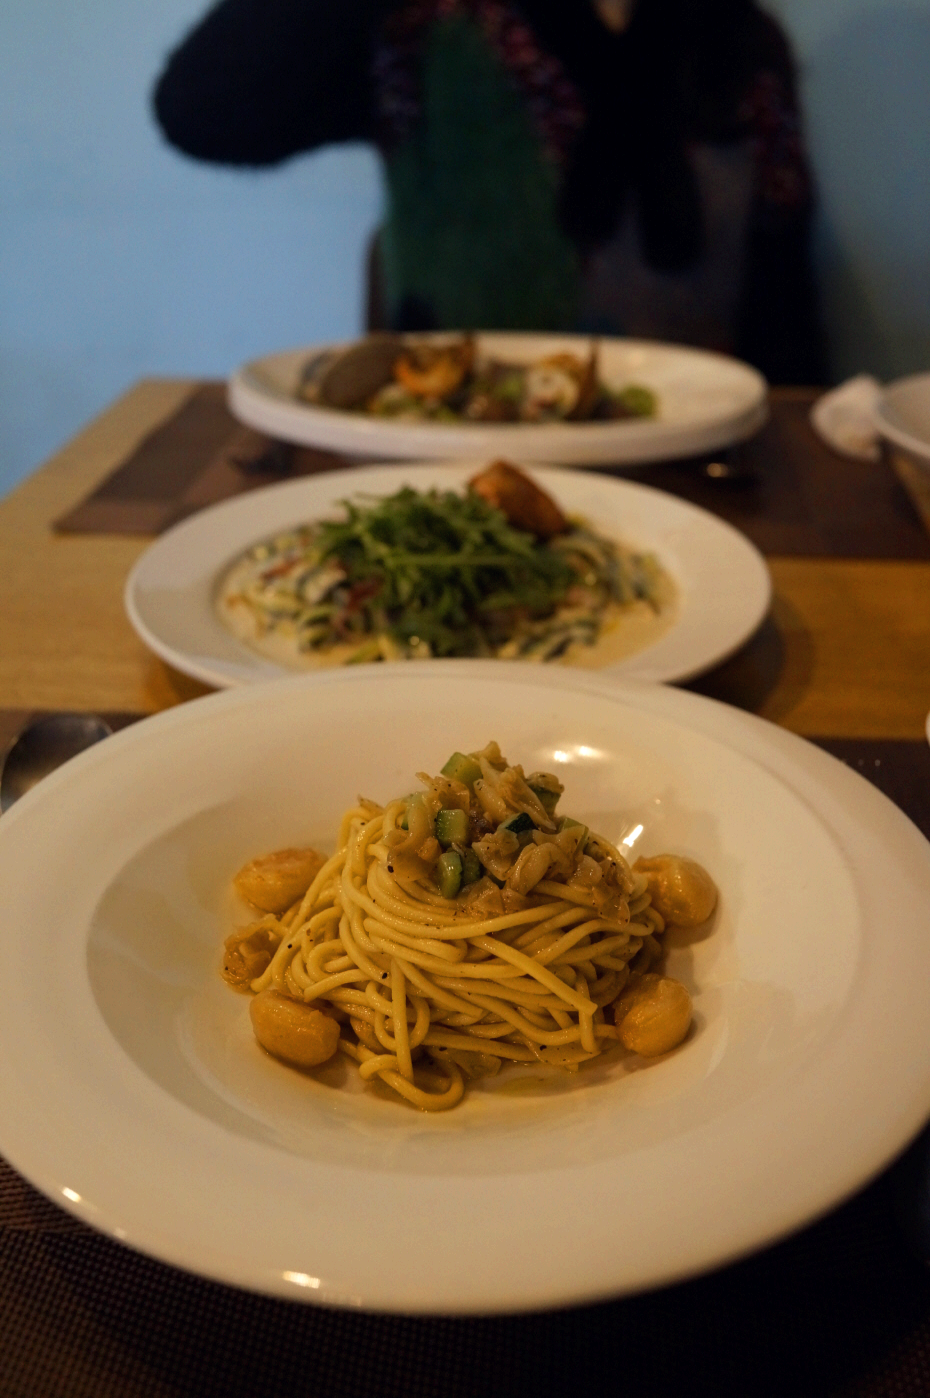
x=615, y=166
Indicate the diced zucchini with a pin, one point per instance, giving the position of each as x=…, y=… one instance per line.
x=462, y=768
x=517, y=824
x=569, y=823
x=471, y=867
x=451, y=827
x=449, y=873
x=638, y=400
x=416, y=798
x=547, y=799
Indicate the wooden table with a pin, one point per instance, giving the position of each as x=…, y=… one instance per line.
x=839, y=1310
x=845, y=652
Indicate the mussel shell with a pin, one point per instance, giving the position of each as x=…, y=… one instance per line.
x=356, y=374
x=311, y=373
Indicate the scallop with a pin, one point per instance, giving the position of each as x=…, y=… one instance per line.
x=288, y=1029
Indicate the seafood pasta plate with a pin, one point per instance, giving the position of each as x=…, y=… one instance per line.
x=805, y=1069
x=715, y=585
x=703, y=402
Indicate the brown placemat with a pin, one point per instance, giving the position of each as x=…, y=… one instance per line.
x=199, y=456
x=793, y=496
x=840, y=1310
x=787, y=491
x=914, y=477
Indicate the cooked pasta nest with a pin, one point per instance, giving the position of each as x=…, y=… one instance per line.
x=457, y=929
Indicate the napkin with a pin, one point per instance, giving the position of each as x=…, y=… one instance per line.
x=845, y=418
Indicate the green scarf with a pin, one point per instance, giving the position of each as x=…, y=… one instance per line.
x=471, y=240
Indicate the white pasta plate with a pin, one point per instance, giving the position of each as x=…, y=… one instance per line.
x=722, y=581
x=134, y=1095
x=706, y=401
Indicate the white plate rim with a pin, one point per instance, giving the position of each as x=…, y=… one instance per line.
x=724, y=583
x=870, y=831
x=255, y=399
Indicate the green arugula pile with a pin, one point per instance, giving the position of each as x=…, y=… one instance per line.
x=438, y=570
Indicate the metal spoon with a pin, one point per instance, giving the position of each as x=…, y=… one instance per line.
x=729, y=471
x=44, y=745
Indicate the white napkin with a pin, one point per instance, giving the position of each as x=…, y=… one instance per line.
x=845, y=418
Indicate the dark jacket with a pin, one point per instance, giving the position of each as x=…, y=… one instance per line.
x=258, y=81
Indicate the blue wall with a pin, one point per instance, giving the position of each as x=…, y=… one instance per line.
x=865, y=69
x=119, y=258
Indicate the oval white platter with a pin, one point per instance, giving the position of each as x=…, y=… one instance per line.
x=707, y=401
x=723, y=583
x=807, y=1070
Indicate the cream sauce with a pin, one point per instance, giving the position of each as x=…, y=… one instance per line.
x=626, y=630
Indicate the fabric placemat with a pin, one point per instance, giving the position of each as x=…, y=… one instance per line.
x=785, y=488
x=793, y=496
x=197, y=457
x=839, y=1310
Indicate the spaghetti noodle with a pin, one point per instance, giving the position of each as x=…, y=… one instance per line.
x=455, y=930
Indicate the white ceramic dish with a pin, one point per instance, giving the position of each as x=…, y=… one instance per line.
x=903, y=415
x=723, y=582
x=133, y=1094
x=706, y=402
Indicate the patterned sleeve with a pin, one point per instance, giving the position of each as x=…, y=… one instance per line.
x=257, y=81
x=780, y=326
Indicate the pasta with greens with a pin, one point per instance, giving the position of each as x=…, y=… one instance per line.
x=460, y=928
x=497, y=571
